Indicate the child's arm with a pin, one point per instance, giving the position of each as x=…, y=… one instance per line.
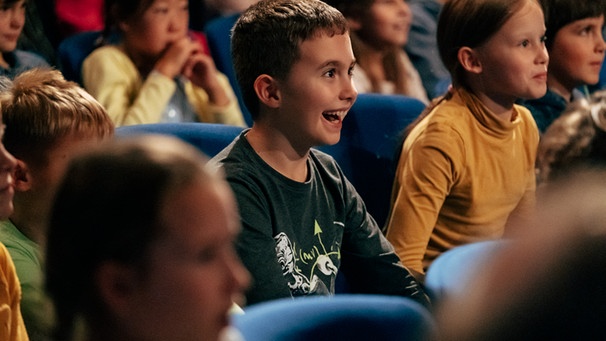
x=111, y=77
x=369, y=261
x=208, y=112
x=201, y=71
x=425, y=175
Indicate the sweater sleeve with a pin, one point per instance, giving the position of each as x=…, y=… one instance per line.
x=426, y=172
x=111, y=77
x=208, y=112
x=12, y=327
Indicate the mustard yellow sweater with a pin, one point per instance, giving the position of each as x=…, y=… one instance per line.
x=461, y=174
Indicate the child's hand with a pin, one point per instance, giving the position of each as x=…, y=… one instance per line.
x=201, y=71
x=172, y=62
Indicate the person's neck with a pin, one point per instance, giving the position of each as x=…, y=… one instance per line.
x=277, y=150
x=560, y=89
x=3, y=63
x=31, y=226
x=501, y=107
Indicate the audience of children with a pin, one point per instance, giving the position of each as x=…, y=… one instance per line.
x=467, y=164
x=303, y=222
x=466, y=171
x=379, y=31
x=575, y=139
x=143, y=250
x=48, y=120
x=12, y=60
x=576, y=49
x=157, y=72
x=422, y=47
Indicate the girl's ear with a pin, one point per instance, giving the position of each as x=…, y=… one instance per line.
x=117, y=287
x=267, y=90
x=469, y=60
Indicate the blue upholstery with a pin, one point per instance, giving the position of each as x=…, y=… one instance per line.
x=210, y=138
x=449, y=274
x=72, y=51
x=341, y=317
x=218, y=35
x=370, y=139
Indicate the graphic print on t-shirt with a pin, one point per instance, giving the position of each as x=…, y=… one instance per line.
x=320, y=266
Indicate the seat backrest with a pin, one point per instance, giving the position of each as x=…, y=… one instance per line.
x=210, y=138
x=72, y=51
x=450, y=273
x=370, y=139
x=218, y=34
x=340, y=317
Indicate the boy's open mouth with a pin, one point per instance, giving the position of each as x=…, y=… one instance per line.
x=334, y=116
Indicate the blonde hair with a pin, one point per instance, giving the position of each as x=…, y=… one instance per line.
x=39, y=107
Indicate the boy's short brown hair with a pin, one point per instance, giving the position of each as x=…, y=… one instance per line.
x=39, y=107
x=267, y=36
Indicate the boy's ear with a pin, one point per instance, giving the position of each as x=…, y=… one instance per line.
x=117, y=286
x=267, y=91
x=469, y=59
x=22, y=177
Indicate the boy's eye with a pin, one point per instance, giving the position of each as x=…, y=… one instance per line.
x=330, y=73
x=525, y=43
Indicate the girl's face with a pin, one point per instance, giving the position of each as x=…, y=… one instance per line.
x=577, y=54
x=12, y=19
x=194, y=274
x=512, y=64
x=386, y=23
x=163, y=23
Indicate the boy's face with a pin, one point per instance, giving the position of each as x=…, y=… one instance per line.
x=7, y=167
x=318, y=91
x=194, y=273
x=12, y=19
x=577, y=54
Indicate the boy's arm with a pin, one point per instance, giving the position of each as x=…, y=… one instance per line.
x=368, y=260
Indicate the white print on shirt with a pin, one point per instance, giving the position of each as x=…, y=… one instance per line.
x=298, y=282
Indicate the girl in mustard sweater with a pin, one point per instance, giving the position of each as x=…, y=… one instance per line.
x=468, y=162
